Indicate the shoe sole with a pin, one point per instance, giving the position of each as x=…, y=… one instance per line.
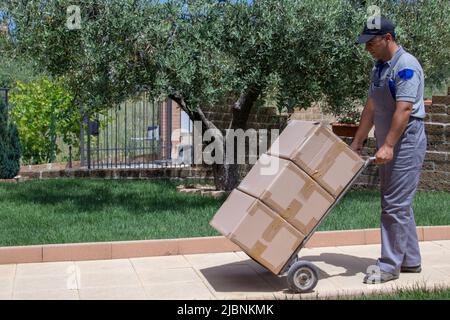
x=417, y=269
x=375, y=282
x=411, y=271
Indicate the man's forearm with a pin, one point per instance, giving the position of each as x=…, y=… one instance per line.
x=366, y=123
x=399, y=123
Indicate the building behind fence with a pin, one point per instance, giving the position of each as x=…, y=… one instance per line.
x=138, y=134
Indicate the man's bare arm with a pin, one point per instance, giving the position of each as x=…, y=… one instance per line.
x=399, y=122
x=365, y=125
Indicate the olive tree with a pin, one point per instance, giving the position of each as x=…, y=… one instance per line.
x=204, y=52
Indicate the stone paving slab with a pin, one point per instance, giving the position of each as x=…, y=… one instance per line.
x=228, y=275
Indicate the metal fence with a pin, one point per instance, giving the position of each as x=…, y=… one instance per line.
x=138, y=134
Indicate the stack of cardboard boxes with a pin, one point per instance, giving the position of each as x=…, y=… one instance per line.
x=287, y=192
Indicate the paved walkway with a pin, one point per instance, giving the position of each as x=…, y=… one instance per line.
x=212, y=276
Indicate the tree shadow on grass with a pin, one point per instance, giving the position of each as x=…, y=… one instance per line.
x=97, y=195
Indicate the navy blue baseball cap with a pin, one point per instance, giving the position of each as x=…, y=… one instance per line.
x=384, y=27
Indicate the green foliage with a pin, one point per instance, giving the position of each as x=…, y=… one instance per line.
x=9, y=147
x=13, y=65
x=12, y=70
x=31, y=110
x=206, y=51
x=101, y=61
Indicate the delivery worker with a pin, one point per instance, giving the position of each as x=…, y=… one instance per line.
x=395, y=106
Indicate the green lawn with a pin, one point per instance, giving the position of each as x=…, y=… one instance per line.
x=417, y=293
x=76, y=210
x=443, y=294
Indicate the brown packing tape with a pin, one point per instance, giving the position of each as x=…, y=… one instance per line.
x=273, y=229
x=312, y=223
x=345, y=148
x=329, y=159
x=268, y=235
x=255, y=252
x=340, y=147
x=267, y=198
x=310, y=185
x=288, y=213
x=293, y=207
x=296, y=204
x=258, y=249
x=276, y=224
x=326, y=163
x=308, y=189
x=292, y=210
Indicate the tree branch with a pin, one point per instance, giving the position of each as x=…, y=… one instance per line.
x=178, y=99
x=241, y=109
x=207, y=122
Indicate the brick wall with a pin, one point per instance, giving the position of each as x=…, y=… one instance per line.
x=259, y=118
x=436, y=169
x=313, y=113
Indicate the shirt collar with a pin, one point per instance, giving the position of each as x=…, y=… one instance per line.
x=380, y=63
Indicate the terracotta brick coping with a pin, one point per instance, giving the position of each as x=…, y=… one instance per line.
x=148, y=248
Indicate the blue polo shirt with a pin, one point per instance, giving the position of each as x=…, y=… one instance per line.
x=408, y=77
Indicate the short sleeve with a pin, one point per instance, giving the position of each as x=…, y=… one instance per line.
x=407, y=81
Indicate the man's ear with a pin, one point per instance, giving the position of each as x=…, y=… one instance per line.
x=390, y=37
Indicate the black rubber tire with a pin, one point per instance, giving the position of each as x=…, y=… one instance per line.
x=302, y=277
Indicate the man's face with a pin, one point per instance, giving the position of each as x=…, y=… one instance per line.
x=378, y=47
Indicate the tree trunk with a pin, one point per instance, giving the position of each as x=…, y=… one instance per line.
x=227, y=175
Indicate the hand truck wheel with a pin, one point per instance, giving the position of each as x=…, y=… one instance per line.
x=302, y=277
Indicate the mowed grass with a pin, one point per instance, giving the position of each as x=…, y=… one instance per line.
x=418, y=292
x=65, y=211
x=360, y=209
x=79, y=210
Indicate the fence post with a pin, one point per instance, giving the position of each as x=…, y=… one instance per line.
x=70, y=157
x=52, y=134
x=88, y=149
x=82, y=137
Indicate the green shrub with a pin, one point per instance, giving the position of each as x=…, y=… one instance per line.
x=32, y=112
x=10, y=150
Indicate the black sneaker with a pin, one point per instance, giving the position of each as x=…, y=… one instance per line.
x=382, y=277
x=416, y=269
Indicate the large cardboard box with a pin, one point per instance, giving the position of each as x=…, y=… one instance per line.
x=258, y=230
x=320, y=153
x=289, y=191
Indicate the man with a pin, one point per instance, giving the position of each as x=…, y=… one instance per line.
x=395, y=107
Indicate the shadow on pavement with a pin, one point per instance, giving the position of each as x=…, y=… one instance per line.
x=250, y=276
